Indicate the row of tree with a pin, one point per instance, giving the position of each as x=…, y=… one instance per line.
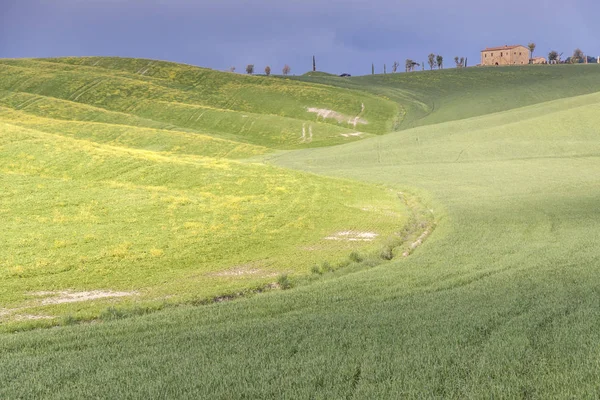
x=250, y=69
x=555, y=58
x=410, y=65
x=576, y=58
x=460, y=62
x=437, y=61
x=434, y=61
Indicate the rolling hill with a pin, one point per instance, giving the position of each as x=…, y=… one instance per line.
x=112, y=198
x=500, y=300
x=255, y=110
x=433, y=97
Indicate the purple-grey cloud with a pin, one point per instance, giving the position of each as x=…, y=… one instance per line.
x=345, y=35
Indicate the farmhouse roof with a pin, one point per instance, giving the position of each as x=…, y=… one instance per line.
x=507, y=47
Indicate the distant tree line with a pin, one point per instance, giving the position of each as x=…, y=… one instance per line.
x=554, y=57
x=433, y=60
x=250, y=69
x=460, y=62
x=578, y=57
x=437, y=61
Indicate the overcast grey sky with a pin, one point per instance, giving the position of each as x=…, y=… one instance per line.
x=344, y=35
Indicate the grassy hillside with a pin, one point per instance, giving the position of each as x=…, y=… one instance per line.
x=81, y=217
x=257, y=110
x=432, y=97
x=502, y=300
x=104, y=205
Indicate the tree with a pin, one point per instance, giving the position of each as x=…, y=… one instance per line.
x=531, y=50
x=553, y=57
x=395, y=66
x=250, y=69
x=384, y=69
x=431, y=60
x=465, y=64
x=460, y=62
x=372, y=69
x=439, y=61
x=410, y=65
x=231, y=69
x=286, y=69
x=577, y=56
x=314, y=64
x=267, y=70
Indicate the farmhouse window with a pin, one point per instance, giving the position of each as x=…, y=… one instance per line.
x=501, y=54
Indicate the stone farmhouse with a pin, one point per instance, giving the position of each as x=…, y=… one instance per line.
x=505, y=55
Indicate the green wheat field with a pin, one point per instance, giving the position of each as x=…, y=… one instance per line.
x=170, y=231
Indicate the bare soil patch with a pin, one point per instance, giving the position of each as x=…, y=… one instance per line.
x=243, y=270
x=354, y=134
x=29, y=317
x=353, y=236
x=417, y=243
x=74, y=297
x=339, y=117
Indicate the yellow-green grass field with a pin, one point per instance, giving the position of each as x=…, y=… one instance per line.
x=257, y=110
x=489, y=184
x=125, y=184
x=162, y=228
x=126, y=189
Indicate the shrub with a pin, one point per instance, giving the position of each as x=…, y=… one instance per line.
x=69, y=320
x=284, y=282
x=326, y=267
x=112, y=313
x=371, y=261
x=387, y=253
x=355, y=257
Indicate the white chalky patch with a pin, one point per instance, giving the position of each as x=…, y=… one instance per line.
x=417, y=243
x=28, y=317
x=352, y=236
x=352, y=134
x=306, y=138
x=75, y=297
x=240, y=271
x=339, y=117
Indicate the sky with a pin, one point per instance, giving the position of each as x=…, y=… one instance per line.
x=344, y=35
